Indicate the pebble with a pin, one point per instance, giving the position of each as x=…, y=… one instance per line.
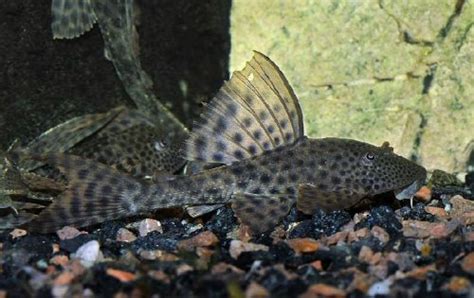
x=382, y=216
x=124, y=235
x=423, y=194
x=64, y=278
x=183, y=268
x=420, y=273
x=89, y=253
x=436, y=211
x=462, y=209
x=17, y=233
x=206, y=238
x=323, y=290
x=123, y=276
x=424, y=229
x=158, y=255
x=380, y=234
x=467, y=263
x=60, y=260
x=159, y=275
x=380, y=288
x=329, y=223
x=149, y=225
x=458, y=285
x=303, y=245
x=254, y=290
x=339, y=237
x=237, y=247
x=68, y=232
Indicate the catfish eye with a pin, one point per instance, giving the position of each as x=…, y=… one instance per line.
x=370, y=156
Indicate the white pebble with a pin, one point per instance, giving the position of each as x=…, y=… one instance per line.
x=89, y=253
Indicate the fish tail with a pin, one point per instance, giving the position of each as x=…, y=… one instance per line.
x=94, y=193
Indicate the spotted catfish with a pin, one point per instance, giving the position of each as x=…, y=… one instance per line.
x=254, y=128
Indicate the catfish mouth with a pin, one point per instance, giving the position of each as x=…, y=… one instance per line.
x=408, y=191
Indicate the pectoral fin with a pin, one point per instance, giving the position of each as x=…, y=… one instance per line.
x=310, y=198
x=261, y=212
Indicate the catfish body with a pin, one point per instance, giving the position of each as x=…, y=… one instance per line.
x=254, y=128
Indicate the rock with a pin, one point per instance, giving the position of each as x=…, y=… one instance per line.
x=237, y=247
x=420, y=273
x=382, y=216
x=124, y=235
x=221, y=268
x=123, y=276
x=458, y=285
x=183, y=268
x=418, y=212
x=206, y=238
x=423, y=194
x=329, y=223
x=366, y=255
x=88, y=253
x=323, y=290
x=380, y=288
x=158, y=255
x=68, y=232
x=254, y=290
x=149, y=225
x=17, y=233
x=437, y=211
x=336, y=238
x=423, y=229
x=462, y=209
x=467, y=263
x=380, y=234
x=60, y=260
x=64, y=278
x=303, y=245
x=159, y=275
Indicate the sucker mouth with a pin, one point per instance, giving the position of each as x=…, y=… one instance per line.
x=408, y=191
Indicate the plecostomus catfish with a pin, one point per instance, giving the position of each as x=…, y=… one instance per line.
x=254, y=128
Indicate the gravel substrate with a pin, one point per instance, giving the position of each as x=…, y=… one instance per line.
x=385, y=250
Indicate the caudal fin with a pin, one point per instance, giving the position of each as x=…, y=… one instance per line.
x=95, y=193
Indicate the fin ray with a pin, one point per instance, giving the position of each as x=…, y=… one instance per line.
x=255, y=111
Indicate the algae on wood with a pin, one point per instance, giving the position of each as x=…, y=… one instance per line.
x=373, y=70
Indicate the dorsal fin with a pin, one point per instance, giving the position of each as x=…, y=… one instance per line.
x=255, y=111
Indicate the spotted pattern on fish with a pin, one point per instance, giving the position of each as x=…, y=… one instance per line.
x=140, y=151
x=261, y=185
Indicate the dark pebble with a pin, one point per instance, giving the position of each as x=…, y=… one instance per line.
x=222, y=222
x=71, y=245
x=384, y=217
x=155, y=240
x=303, y=229
x=417, y=213
x=449, y=191
x=470, y=181
x=329, y=223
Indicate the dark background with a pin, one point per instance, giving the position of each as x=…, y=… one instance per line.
x=44, y=82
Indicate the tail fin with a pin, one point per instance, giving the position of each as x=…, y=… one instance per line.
x=95, y=193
